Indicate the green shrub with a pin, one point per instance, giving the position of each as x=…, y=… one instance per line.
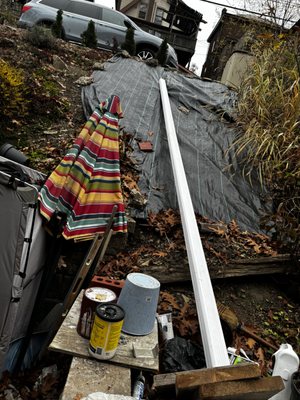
x=129, y=44
x=162, y=52
x=89, y=38
x=41, y=37
x=57, y=28
x=13, y=91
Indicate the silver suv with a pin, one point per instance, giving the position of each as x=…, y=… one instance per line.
x=110, y=25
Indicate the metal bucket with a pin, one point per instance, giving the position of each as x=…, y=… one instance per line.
x=139, y=298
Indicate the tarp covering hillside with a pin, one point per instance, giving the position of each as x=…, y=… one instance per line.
x=202, y=113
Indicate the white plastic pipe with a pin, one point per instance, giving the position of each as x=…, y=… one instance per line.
x=211, y=331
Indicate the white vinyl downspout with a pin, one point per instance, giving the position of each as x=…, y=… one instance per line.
x=210, y=326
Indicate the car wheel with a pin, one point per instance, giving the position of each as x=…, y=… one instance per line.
x=145, y=54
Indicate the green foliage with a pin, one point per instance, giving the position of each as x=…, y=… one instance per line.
x=129, y=44
x=41, y=37
x=89, y=38
x=57, y=28
x=162, y=52
x=269, y=113
x=13, y=91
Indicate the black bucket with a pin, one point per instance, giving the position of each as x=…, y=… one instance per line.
x=7, y=150
x=295, y=382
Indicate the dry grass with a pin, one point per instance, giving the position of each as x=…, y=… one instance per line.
x=269, y=112
x=269, y=115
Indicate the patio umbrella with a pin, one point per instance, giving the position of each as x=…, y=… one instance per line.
x=86, y=184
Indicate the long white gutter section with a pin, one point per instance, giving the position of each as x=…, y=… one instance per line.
x=211, y=331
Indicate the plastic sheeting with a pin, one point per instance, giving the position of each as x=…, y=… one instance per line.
x=202, y=113
x=22, y=249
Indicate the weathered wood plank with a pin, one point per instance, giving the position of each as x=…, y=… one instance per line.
x=235, y=268
x=249, y=389
x=188, y=381
x=89, y=376
x=164, y=383
x=263, y=260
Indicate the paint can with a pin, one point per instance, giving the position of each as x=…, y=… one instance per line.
x=92, y=297
x=106, y=331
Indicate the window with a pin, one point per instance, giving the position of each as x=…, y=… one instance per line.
x=59, y=4
x=159, y=16
x=85, y=9
x=112, y=17
x=143, y=9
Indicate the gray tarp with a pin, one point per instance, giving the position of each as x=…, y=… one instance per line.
x=202, y=116
x=22, y=249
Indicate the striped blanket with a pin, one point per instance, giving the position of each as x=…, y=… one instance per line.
x=86, y=184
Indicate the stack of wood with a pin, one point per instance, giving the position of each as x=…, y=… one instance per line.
x=234, y=382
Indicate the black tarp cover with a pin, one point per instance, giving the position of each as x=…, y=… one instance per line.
x=202, y=112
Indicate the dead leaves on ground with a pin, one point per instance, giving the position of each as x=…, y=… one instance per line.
x=184, y=315
x=164, y=221
x=225, y=242
x=238, y=243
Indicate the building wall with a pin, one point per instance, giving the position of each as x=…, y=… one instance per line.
x=151, y=7
x=229, y=32
x=222, y=43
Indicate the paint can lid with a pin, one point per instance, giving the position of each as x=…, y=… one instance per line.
x=100, y=294
x=110, y=312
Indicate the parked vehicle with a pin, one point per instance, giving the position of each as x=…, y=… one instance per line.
x=110, y=25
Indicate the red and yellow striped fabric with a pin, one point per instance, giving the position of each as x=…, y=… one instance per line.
x=87, y=183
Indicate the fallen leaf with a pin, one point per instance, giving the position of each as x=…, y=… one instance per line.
x=160, y=254
x=260, y=356
x=251, y=343
x=219, y=231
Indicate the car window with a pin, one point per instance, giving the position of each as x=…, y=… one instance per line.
x=59, y=4
x=85, y=9
x=112, y=17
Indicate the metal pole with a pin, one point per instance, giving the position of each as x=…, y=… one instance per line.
x=210, y=326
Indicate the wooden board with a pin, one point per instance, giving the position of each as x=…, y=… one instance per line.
x=164, y=383
x=188, y=381
x=68, y=341
x=171, y=273
x=88, y=376
x=249, y=389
